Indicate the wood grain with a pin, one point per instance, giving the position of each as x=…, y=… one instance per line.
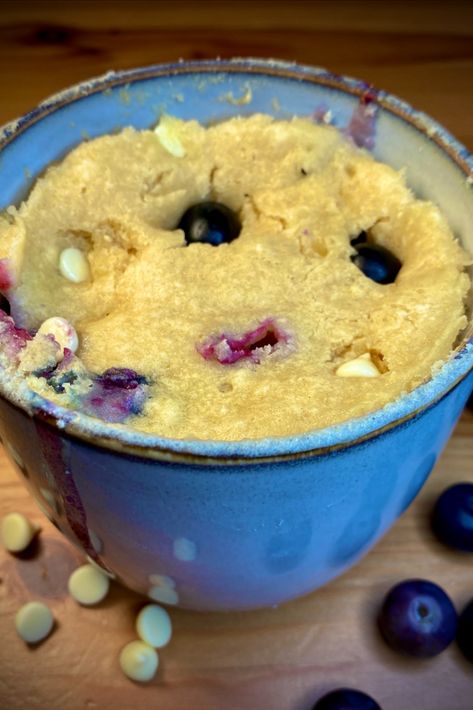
x=276, y=659
x=422, y=51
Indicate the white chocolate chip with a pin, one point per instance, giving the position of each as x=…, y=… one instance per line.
x=73, y=265
x=153, y=626
x=139, y=661
x=17, y=532
x=34, y=622
x=88, y=585
x=362, y=366
x=62, y=331
x=167, y=132
x=166, y=595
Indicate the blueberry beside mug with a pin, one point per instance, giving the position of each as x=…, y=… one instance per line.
x=236, y=525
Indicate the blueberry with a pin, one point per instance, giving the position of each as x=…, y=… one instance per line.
x=346, y=699
x=376, y=262
x=465, y=631
x=211, y=223
x=417, y=618
x=452, y=518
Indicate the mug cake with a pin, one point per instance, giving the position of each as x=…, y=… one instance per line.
x=246, y=279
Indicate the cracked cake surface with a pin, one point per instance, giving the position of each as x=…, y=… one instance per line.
x=280, y=330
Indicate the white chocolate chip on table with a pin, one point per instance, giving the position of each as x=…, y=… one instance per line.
x=74, y=265
x=362, y=366
x=153, y=626
x=34, y=622
x=17, y=532
x=88, y=585
x=139, y=661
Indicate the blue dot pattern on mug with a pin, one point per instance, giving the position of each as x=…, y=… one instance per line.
x=287, y=548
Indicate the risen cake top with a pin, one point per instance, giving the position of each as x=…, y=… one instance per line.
x=306, y=287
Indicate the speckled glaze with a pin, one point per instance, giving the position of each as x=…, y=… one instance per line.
x=236, y=525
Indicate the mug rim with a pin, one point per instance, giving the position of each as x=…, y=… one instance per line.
x=268, y=449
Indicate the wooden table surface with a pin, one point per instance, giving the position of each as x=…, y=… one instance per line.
x=277, y=659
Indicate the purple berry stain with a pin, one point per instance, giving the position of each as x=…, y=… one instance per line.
x=55, y=454
x=227, y=349
x=362, y=125
x=116, y=394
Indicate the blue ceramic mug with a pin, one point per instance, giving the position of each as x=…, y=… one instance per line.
x=235, y=525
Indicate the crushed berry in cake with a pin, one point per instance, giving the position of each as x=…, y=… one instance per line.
x=120, y=378
x=254, y=344
x=13, y=339
x=63, y=373
x=6, y=279
x=116, y=394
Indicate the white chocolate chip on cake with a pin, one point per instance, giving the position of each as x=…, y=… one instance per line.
x=62, y=331
x=88, y=585
x=167, y=132
x=362, y=366
x=73, y=265
x=153, y=626
x=17, y=532
x=34, y=622
x=139, y=661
